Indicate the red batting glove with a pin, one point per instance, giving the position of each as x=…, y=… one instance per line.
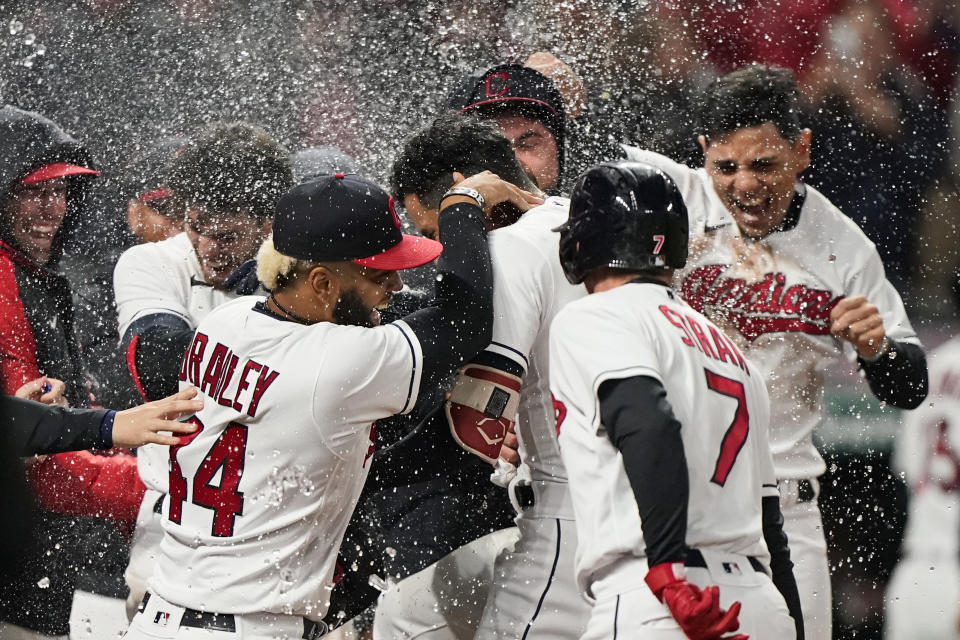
x=697, y=612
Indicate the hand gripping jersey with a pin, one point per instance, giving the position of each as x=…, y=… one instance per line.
x=928, y=456
x=718, y=397
x=529, y=289
x=162, y=278
x=774, y=298
x=261, y=494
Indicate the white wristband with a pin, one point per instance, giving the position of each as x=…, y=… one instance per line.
x=467, y=192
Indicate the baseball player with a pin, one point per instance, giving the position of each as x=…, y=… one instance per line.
x=529, y=111
x=230, y=177
x=663, y=430
x=261, y=494
x=533, y=594
x=923, y=595
x=795, y=283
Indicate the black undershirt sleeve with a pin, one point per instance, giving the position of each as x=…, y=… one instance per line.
x=459, y=323
x=161, y=341
x=780, y=564
x=640, y=423
x=899, y=378
x=497, y=361
x=33, y=428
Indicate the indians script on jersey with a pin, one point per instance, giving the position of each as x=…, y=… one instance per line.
x=755, y=300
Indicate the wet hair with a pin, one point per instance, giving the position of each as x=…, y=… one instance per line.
x=749, y=97
x=451, y=143
x=232, y=169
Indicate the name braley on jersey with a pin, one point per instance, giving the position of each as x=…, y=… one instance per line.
x=219, y=373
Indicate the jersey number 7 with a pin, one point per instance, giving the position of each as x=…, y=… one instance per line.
x=736, y=434
x=228, y=454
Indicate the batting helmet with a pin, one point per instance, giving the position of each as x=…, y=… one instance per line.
x=626, y=215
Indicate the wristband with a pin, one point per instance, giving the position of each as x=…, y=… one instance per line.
x=467, y=192
x=884, y=350
x=105, y=441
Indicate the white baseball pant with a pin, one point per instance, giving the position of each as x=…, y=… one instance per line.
x=626, y=609
x=923, y=600
x=534, y=592
x=808, y=551
x=445, y=600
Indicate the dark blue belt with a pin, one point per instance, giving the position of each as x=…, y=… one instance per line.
x=225, y=621
x=695, y=559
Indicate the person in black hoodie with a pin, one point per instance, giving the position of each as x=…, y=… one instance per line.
x=44, y=178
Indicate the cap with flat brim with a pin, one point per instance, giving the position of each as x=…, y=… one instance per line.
x=58, y=170
x=410, y=252
x=347, y=218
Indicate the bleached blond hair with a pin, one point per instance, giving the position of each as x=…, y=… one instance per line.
x=274, y=269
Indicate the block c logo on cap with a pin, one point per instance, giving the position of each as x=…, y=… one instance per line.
x=393, y=212
x=496, y=84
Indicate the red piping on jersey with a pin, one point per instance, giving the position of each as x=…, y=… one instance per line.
x=131, y=357
x=490, y=376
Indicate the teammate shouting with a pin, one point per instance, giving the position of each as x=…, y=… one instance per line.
x=794, y=282
x=260, y=495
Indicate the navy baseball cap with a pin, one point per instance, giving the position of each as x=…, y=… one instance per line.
x=516, y=87
x=342, y=218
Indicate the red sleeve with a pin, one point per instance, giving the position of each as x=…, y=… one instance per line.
x=18, y=362
x=85, y=484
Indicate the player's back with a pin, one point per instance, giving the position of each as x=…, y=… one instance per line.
x=720, y=401
x=261, y=494
x=529, y=290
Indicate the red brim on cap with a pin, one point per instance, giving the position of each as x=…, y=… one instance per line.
x=411, y=251
x=57, y=170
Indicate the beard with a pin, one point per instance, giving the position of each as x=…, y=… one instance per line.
x=351, y=310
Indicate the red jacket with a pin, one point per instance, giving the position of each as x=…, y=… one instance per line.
x=78, y=483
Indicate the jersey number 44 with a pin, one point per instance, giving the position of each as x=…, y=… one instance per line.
x=226, y=457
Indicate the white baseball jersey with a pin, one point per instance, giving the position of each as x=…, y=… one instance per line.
x=260, y=497
x=774, y=298
x=717, y=395
x=162, y=277
x=529, y=288
x=928, y=456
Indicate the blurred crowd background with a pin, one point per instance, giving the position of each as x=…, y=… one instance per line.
x=879, y=87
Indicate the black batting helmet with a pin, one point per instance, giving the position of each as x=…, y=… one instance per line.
x=626, y=215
